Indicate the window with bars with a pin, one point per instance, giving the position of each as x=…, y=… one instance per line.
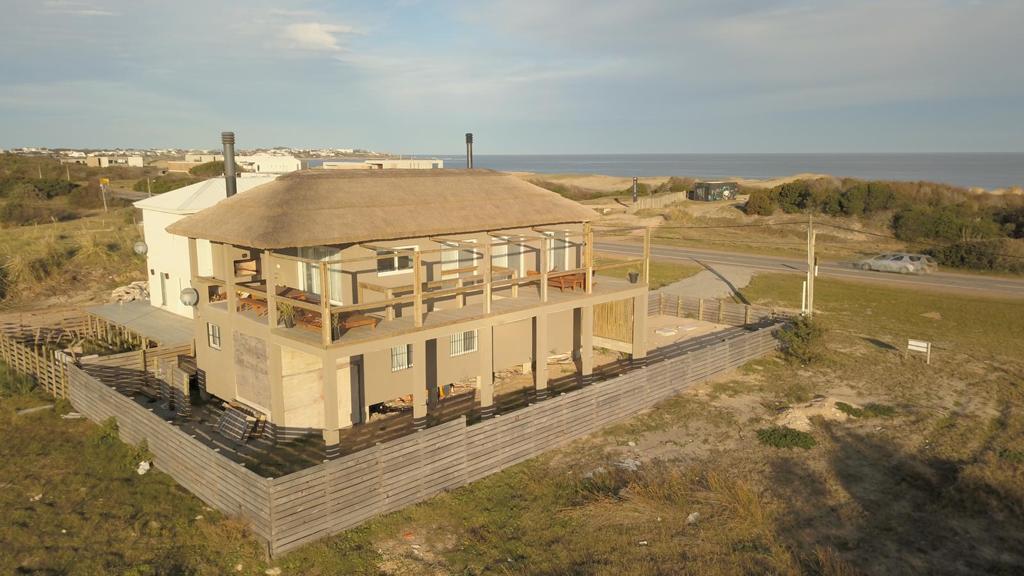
x=213, y=335
x=462, y=343
x=401, y=358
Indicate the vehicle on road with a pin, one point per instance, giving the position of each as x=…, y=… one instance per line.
x=900, y=262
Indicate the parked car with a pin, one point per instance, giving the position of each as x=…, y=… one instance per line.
x=900, y=262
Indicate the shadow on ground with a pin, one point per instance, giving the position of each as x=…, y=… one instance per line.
x=891, y=512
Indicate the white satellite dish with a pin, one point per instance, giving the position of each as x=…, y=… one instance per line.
x=189, y=296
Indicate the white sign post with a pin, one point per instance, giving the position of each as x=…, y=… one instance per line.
x=921, y=346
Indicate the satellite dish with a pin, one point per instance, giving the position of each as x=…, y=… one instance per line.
x=189, y=296
x=140, y=248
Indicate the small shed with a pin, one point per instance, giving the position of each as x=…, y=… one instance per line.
x=714, y=190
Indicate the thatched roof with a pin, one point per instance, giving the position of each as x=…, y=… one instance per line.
x=321, y=207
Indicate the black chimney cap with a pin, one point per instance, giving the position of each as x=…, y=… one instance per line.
x=227, y=137
x=469, y=137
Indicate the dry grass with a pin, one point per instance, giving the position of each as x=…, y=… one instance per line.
x=70, y=261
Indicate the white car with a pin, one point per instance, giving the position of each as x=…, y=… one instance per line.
x=900, y=262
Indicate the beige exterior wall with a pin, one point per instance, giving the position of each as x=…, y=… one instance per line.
x=330, y=387
x=513, y=344
x=302, y=382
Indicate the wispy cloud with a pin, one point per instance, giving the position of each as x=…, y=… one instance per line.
x=76, y=8
x=315, y=36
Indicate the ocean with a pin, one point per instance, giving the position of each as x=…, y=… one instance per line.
x=987, y=171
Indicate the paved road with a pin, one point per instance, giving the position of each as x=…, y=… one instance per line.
x=963, y=283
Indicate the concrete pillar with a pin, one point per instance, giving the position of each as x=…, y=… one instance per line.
x=275, y=370
x=640, y=328
x=329, y=376
x=540, y=355
x=350, y=394
x=419, y=386
x=485, y=381
x=586, y=343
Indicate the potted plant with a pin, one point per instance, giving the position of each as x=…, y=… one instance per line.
x=286, y=314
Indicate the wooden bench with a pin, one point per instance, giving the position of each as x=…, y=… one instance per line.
x=570, y=281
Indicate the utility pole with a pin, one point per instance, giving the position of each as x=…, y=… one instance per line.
x=149, y=191
x=40, y=168
x=103, y=191
x=812, y=262
x=67, y=171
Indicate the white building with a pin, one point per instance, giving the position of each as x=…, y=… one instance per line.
x=167, y=256
x=106, y=161
x=386, y=164
x=204, y=158
x=269, y=163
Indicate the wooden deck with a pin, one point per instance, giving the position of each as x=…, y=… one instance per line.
x=448, y=313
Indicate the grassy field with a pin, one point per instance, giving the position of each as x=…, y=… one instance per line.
x=66, y=262
x=920, y=471
x=662, y=273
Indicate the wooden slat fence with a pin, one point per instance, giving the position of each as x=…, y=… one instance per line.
x=343, y=493
x=708, y=309
x=216, y=480
x=292, y=510
x=656, y=202
x=35, y=357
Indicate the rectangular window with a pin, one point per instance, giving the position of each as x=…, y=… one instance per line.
x=397, y=263
x=462, y=343
x=401, y=357
x=213, y=335
x=309, y=273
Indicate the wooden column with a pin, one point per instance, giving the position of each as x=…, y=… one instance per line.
x=485, y=268
x=588, y=256
x=417, y=288
x=640, y=326
x=540, y=354
x=485, y=381
x=647, y=257
x=544, y=255
x=325, y=307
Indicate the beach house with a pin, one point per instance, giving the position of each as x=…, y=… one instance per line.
x=333, y=291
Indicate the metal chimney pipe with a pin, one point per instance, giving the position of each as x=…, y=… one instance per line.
x=228, y=139
x=469, y=149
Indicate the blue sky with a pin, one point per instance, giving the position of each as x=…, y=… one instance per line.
x=527, y=76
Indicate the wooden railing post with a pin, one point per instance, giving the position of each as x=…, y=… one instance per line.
x=647, y=255
x=700, y=309
x=488, y=276
x=417, y=288
x=326, y=328
x=746, y=314
x=270, y=278
x=588, y=256
x=544, y=249
x=389, y=294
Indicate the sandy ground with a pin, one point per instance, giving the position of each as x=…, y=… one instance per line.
x=718, y=281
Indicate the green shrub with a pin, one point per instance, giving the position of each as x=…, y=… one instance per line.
x=785, y=437
x=210, y=169
x=760, y=203
x=13, y=383
x=803, y=340
x=996, y=254
x=165, y=183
